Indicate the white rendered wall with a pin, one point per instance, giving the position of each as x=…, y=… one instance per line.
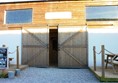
x=96, y=37
x=11, y=39
x=107, y=36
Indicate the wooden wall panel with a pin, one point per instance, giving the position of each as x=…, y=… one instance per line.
x=73, y=47
x=35, y=46
x=78, y=9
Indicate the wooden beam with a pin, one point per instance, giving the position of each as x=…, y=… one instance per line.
x=17, y=55
x=99, y=24
x=94, y=57
x=14, y=28
x=102, y=58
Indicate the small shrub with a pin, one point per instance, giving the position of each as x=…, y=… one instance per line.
x=3, y=75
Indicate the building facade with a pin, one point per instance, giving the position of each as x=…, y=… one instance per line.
x=56, y=33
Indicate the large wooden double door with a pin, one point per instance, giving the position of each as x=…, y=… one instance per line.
x=72, y=46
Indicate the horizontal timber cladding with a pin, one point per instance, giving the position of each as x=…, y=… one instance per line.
x=77, y=8
x=72, y=46
x=40, y=8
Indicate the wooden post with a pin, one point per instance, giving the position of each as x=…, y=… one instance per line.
x=103, y=69
x=94, y=58
x=17, y=55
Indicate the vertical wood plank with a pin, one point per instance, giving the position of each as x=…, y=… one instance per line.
x=94, y=57
x=17, y=54
x=103, y=69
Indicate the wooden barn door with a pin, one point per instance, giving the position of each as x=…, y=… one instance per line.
x=35, y=46
x=72, y=46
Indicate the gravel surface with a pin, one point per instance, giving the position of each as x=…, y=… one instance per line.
x=53, y=75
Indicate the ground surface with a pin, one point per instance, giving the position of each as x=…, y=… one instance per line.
x=53, y=75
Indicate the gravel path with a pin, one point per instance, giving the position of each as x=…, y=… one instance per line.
x=53, y=75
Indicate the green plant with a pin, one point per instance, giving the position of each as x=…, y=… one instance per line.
x=3, y=75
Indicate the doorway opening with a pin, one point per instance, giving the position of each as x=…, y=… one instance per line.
x=53, y=47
